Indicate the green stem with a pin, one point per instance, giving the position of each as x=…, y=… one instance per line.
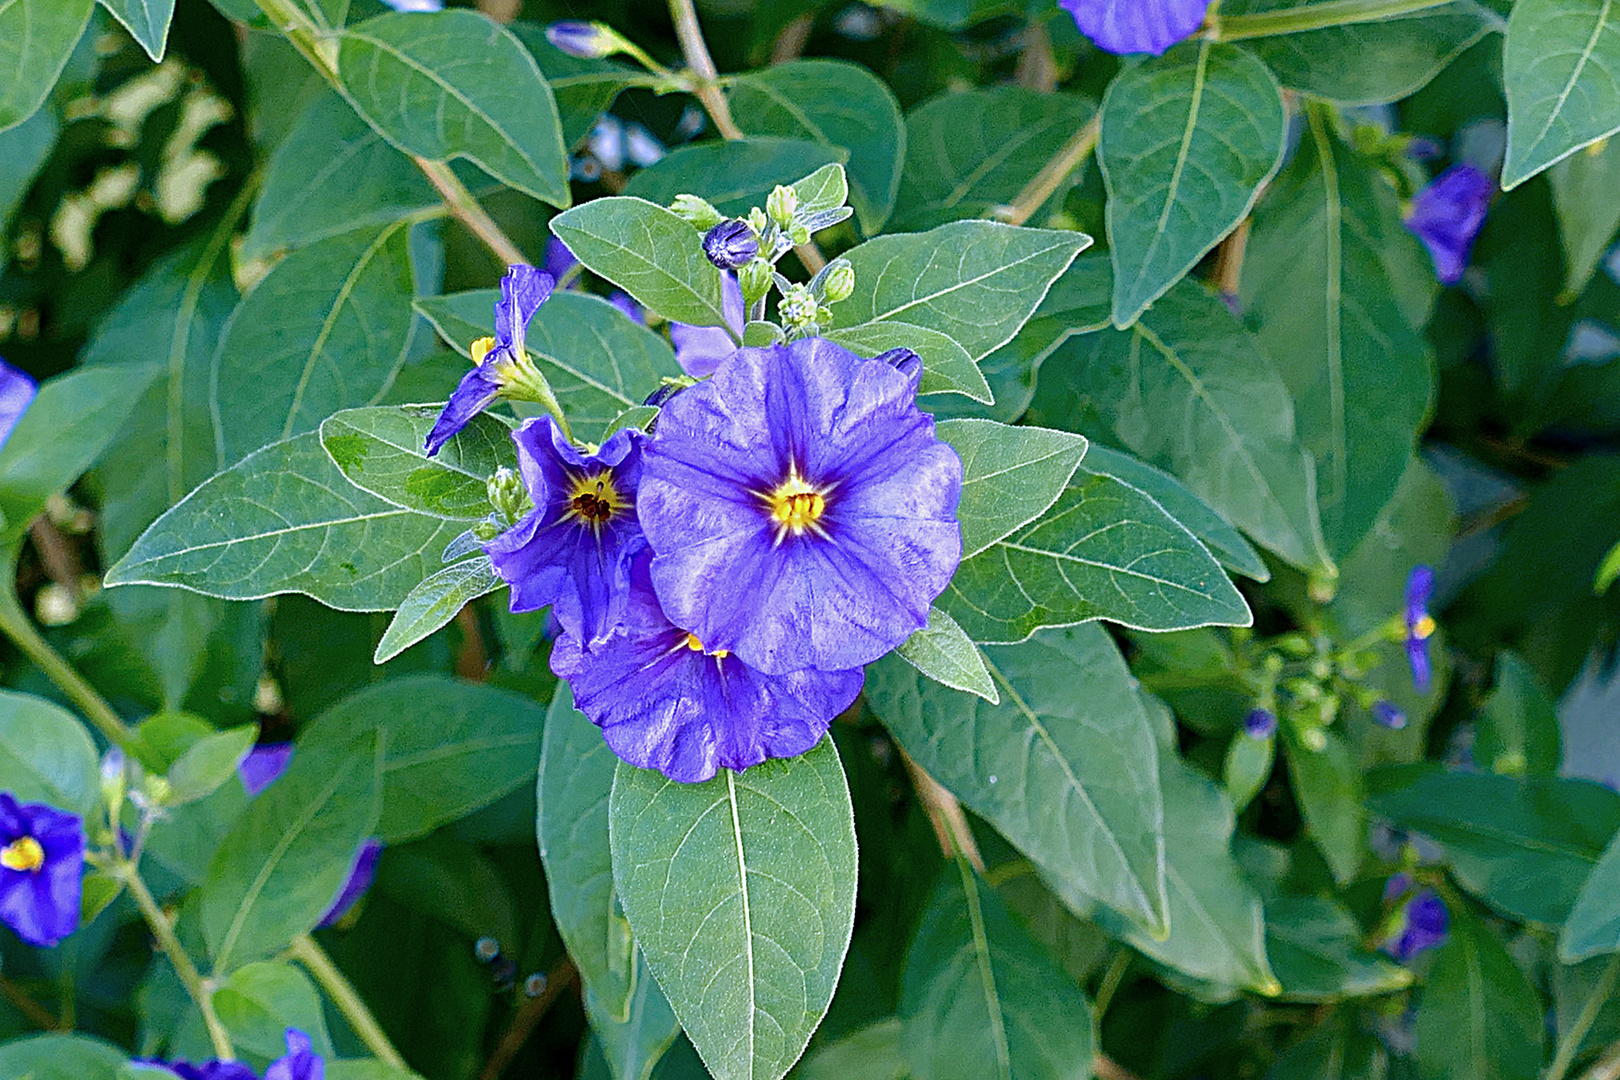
x=16, y=625
x=308, y=952
x=198, y=987
x=1040, y=188
x=1570, y=1044
x=705, y=77
x=1316, y=17
x=1110, y=983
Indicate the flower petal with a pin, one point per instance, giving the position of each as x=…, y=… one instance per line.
x=1136, y=26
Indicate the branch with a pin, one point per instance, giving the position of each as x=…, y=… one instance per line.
x=1040, y=187
x=706, y=81
x=558, y=979
x=308, y=952
x=200, y=989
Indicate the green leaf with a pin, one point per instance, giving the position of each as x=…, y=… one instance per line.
x=1523, y=846
x=741, y=892
x=1318, y=284
x=1246, y=769
x=147, y=22
x=840, y=106
x=1327, y=784
x=981, y=998
x=733, y=174
x=1561, y=70
x=283, y=862
x=1064, y=766
x=60, y=1057
x=944, y=653
x=46, y=755
x=364, y=1069
x=636, y=1044
x=66, y=428
x=380, y=451
x=1010, y=475
x=1189, y=390
x=325, y=330
x=1479, y=1018
x=947, y=367
x=974, y=281
x=584, y=88
x=1315, y=948
x=1187, y=141
x=452, y=84
x=1222, y=540
x=875, y=1052
x=36, y=39
x=825, y=189
x=1582, y=186
x=1593, y=927
x=970, y=151
x=648, y=252
x=23, y=152
x=450, y=747
x=332, y=174
x=284, y=519
x=259, y=1002
x=432, y=604
x=1103, y=551
x=1517, y=733
x=208, y=763
x=598, y=362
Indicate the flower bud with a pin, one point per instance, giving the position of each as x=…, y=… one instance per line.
x=507, y=493
x=1389, y=715
x=781, y=205
x=697, y=211
x=1260, y=724
x=113, y=782
x=838, y=281
x=903, y=360
x=586, y=40
x=730, y=244
x=755, y=279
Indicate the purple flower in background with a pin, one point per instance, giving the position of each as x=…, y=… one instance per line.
x=1260, y=724
x=1419, y=924
x=499, y=363
x=415, y=5
x=1419, y=623
x=300, y=1062
x=360, y=877
x=585, y=40
x=41, y=866
x=208, y=1070
x=1389, y=715
x=17, y=390
x=1447, y=214
x=559, y=259
x=263, y=764
x=573, y=550
x=699, y=349
x=801, y=510
x=730, y=244
x=1136, y=26
x=632, y=310
x=665, y=702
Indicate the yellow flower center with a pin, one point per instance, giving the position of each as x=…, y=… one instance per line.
x=797, y=505
x=594, y=500
x=480, y=349
x=691, y=642
x=24, y=853
x=1423, y=628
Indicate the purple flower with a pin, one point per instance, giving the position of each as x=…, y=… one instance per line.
x=665, y=702
x=902, y=360
x=573, y=550
x=1447, y=214
x=1420, y=923
x=632, y=310
x=500, y=366
x=1389, y=715
x=263, y=764
x=730, y=244
x=699, y=349
x=802, y=512
x=559, y=259
x=582, y=39
x=415, y=5
x=17, y=390
x=1260, y=724
x=1136, y=26
x=359, y=880
x=1419, y=623
x=208, y=1070
x=41, y=863
x=300, y=1063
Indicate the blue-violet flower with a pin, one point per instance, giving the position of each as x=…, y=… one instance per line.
x=17, y=390
x=1420, y=923
x=1389, y=715
x=207, y=1070
x=1419, y=624
x=1136, y=26
x=299, y=1063
x=730, y=244
x=700, y=349
x=263, y=764
x=1260, y=724
x=586, y=40
x=41, y=865
x=800, y=508
x=1446, y=214
x=361, y=875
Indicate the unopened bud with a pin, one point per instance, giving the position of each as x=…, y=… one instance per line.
x=837, y=281
x=781, y=205
x=586, y=40
x=1260, y=724
x=507, y=494
x=730, y=244
x=902, y=360
x=113, y=783
x=798, y=233
x=1388, y=714
x=755, y=279
x=697, y=211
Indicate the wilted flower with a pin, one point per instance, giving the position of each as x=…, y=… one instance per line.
x=699, y=349
x=1419, y=623
x=801, y=509
x=361, y=875
x=573, y=550
x=586, y=40
x=730, y=244
x=1420, y=923
x=1447, y=214
x=41, y=865
x=17, y=390
x=665, y=702
x=1260, y=724
x=1136, y=26
x=1389, y=715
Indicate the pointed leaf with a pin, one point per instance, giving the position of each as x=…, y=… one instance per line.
x=1593, y=927
x=1479, y=1018
x=1561, y=70
x=1517, y=733
x=944, y=653
x=1583, y=186
x=1327, y=784
x=647, y=251
x=259, y=1002
x=1010, y=475
x=36, y=39
x=947, y=367
x=380, y=450
x=46, y=755
x=208, y=763
x=146, y=20
x=432, y=604
x=733, y=174
x=1315, y=948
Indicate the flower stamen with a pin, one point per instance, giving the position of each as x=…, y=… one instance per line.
x=594, y=500
x=796, y=505
x=23, y=853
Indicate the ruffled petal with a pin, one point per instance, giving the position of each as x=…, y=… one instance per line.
x=1136, y=26
x=523, y=290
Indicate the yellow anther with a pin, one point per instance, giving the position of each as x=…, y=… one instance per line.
x=480, y=349
x=693, y=643
x=23, y=853
x=1423, y=627
x=796, y=505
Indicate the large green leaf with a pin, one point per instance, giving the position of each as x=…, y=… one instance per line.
x=1327, y=786
x=1593, y=927
x=982, y=999
x=61, y=1057
x=1479, y=1018
x=741, y=892
x=36, y=39
x=733, y=175
x=947, y=367
x=943, y=652
x=325, y=330
x=451, y=84
x=380, y=450
x=1010, y=475
x=46, y=755
x=976, y=281
x=1315, y=948
x=1065, y=766
x=1189, y=389
x=283, y=862
x=285, y=520
x=1318, y=286
x=598, y=362
x=1523, y=846
x=146, y=20
x=1187, y=140
x=1105, y=550
x=649, y=252
x=970, y=151
x=1561, y=70
x=840, y=106
x=449, y=747
x=1583, y=187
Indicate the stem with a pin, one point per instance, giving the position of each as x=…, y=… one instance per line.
x=198, y=987
x=36, y=1013
x=558, y=979
x=1570, y=1044
x=343, y=994
x=1315, y=17
x=1110, y=983
x=950, y=824
x=706, y=82
x=1040, y=187
x=20, y=629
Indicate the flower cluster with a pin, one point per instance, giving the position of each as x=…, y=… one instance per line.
x=300, y=1062
x=718, y=585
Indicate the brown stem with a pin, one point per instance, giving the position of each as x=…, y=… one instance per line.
x=945, y=813
x=558, y=979
x=793, y=38
x=1229, y=259
x=60, y=560
x=1036, y=69
x=1040, y=188
x=472, y=661
x=468, y=212
x=706, y=82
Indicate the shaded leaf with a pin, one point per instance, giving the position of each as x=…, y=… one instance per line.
x=146, y=20
x=1478, y=1018
x=46, y=755
x=733, y=174
x=1010, y=475
x=1315, y=948
x=380, y=451
x=1327, y=785
x=647, y=251
x=1593, y=927
x=1583, y=186
x=36, y=39
x=61, y=1057
x=1517, y=733
x=1561, y=70
x=944, y=653
x=584, y=88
